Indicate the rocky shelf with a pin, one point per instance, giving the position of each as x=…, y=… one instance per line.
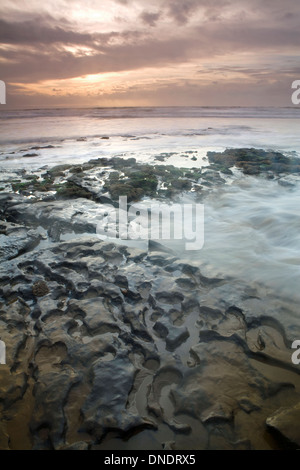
x=108, y=345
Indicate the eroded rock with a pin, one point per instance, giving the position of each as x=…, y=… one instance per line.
x=285, y=424
x=108, y=340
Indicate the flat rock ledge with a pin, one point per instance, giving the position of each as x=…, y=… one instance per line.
x=106, y=343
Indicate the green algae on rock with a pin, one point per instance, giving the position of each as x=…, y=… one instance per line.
x=255, y=161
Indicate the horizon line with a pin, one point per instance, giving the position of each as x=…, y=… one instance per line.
x=144, y=107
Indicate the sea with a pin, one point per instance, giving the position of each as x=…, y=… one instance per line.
x=78, y=135
x=251, y=225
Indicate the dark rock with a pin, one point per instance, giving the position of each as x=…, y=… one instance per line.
x=73, y=190
x=96, y=316
x=40, y=289
x=133, y=315
x=58, y=170
x=44, y=147
x=159, y=247
x=105, y=407
x=186, y=283
x=176, y=336
x=15, y=240
x=248, y=406
x=54, y=232
x=51, y=391
x=121, y=281
x=159, y=259
x=4, y=436
x=161, y=329
x=254, y=161
x=212, y=176
x=76, y=446
x=30, y=155
x=114, y=337
x=173, y=335
x=169, y=297
x=285, y=423
x=12, y=388
x=217, y=413
x=107, y=200
x=80, y=215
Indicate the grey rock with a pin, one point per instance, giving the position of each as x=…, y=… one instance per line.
x=15, y=240
x=173, y=335
x=105, y=407
x=169, y=298
x=80, y=215
x=115, y=340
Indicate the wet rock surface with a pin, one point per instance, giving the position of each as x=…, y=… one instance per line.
x=16, y=239
x=109, y=345
x=255, y=161
x=97, y=354
x=285, y=422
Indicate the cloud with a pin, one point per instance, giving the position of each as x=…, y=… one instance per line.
x=181, y=11
x=254, y=40
x=150, y=18
x=36, y=31
x=42, y=52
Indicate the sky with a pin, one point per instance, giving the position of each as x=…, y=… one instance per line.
x=82, y=53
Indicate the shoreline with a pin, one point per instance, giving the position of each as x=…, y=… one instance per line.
x=202, y=362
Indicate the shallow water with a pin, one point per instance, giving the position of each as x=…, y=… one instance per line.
x=251, y=225
x=143, y=133
x=252, y=231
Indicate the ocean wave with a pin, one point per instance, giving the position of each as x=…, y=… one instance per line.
x=155, y=112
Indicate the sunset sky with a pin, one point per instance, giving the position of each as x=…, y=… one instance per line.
x=140, y=53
